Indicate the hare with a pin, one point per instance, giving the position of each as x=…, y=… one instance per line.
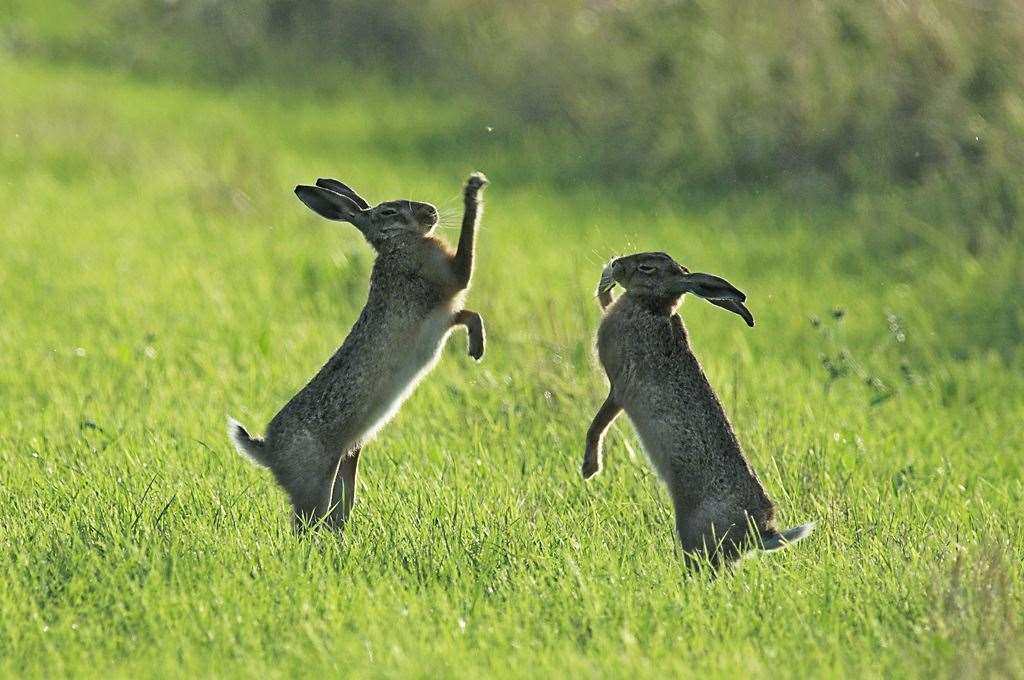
x=416, y=294
x=721, y=507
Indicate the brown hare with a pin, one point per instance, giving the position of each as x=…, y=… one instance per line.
x=416, y=295
x=721, y=507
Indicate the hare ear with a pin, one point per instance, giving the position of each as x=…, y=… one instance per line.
x=711, y=287
x=735, y=308
x=343, y=189
x=718, y=292
x=331, y=205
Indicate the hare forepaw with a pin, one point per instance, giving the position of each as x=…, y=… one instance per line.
x=476, y=182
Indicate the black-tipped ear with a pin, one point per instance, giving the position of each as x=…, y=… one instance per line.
x=343, y=189
x=735, y=308
x=330, y=204
x=712, y=287
x=717, y=291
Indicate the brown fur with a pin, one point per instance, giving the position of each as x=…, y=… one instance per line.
x=416, y=290
x=655, y=377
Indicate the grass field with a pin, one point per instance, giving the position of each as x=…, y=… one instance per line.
x=156, y=274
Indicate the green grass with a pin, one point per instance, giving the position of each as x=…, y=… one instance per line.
x=156, y=273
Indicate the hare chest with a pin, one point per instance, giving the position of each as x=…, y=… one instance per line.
x=657, y=437
x=643, y=384
x=654, y=421
x=414, y=360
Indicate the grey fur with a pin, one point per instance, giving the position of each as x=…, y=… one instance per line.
x=721, y=507
x=416, y=294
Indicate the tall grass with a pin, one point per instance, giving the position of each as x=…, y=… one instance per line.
x=156, y=272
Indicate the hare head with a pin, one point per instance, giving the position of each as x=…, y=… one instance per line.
x=336, y=201
x=659, y=280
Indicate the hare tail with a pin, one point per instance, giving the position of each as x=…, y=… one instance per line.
x=247, y=445
x=782, y=539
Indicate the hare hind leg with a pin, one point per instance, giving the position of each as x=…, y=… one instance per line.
x=310, y=504
x=343, y=490
x=307, y=479
x=710, y=533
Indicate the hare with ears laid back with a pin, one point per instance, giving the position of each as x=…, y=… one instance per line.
x=721, y=507
x=416, y=297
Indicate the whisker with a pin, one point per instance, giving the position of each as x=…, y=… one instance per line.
x=448, y=204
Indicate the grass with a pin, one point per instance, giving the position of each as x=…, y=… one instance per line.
x=157, y=274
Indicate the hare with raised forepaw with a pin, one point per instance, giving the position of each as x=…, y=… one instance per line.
x=721, y=507
x=416, y=297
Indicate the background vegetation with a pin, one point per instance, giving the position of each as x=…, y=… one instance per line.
x=924, y=98
x=156, y=273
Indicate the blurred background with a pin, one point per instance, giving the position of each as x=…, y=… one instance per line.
x=902, y=122
x=908, y=117
x=834, y=101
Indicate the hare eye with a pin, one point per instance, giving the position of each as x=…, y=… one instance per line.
x=646, y=269
x=388, y=212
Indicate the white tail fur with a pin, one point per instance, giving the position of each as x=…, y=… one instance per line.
x=246, y=445
x=787, y=537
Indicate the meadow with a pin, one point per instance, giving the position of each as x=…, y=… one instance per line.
x=157, y=274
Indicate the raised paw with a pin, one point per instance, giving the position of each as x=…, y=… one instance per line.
x=475, y=183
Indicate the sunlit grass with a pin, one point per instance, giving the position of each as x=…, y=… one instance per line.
x=156, y=273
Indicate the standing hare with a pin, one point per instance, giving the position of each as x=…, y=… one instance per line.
x=416, y=297
x=721, y=507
